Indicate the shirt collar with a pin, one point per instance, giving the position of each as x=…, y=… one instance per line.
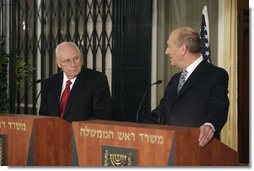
x=66, y=79
x=194, y=65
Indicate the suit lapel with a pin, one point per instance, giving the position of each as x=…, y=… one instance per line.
x=78, y=85
x=197, y=73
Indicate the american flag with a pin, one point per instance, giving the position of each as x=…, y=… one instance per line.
x=204, y=36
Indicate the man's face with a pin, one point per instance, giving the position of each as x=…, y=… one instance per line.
x=174, y=53
x=69, y=61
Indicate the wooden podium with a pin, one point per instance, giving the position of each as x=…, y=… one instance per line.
x=34, y=140
x=109, y=143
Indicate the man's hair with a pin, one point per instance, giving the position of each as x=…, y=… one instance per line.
x=190, y=38
x=68, y=43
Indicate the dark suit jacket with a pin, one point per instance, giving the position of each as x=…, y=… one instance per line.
x=89, y=97
x=203, y=98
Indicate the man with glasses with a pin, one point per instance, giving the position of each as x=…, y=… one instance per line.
x=76, y=93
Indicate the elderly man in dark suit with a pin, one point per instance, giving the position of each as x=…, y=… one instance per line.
x=197, y=96
x=76, y=93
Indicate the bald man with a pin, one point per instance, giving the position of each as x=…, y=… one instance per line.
x=88, y=91
x=197, y=96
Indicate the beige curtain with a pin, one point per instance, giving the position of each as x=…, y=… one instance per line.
x=229, y=133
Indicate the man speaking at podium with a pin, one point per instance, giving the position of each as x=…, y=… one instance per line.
x=197, y=96
x=76, y=93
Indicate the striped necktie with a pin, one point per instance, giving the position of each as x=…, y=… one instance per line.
x=182, y=80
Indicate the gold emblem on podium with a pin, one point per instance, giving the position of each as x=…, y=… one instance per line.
x=118, y=156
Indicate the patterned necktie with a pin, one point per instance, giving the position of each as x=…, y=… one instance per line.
x=181, y=80
x=64, y=98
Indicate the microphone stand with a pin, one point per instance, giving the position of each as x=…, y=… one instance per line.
x=37, y=97
x=23, y=97
x=143, y=98
x=141, y=103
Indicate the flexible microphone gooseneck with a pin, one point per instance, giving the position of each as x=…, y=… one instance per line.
x=37, y=97
x=23, y=97
x=143, y=98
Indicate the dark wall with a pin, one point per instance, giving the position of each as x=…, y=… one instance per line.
x=131, y=60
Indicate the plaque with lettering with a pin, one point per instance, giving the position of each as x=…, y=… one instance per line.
x=3, y=152
x=118, y=156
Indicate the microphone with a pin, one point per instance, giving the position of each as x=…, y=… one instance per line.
x=37, y=97
x=143, y=98
x=23, y=97
x=36, y=82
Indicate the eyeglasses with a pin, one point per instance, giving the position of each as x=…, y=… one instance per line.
x=68, y=61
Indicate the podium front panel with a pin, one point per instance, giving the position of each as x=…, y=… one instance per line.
x=36, y=140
